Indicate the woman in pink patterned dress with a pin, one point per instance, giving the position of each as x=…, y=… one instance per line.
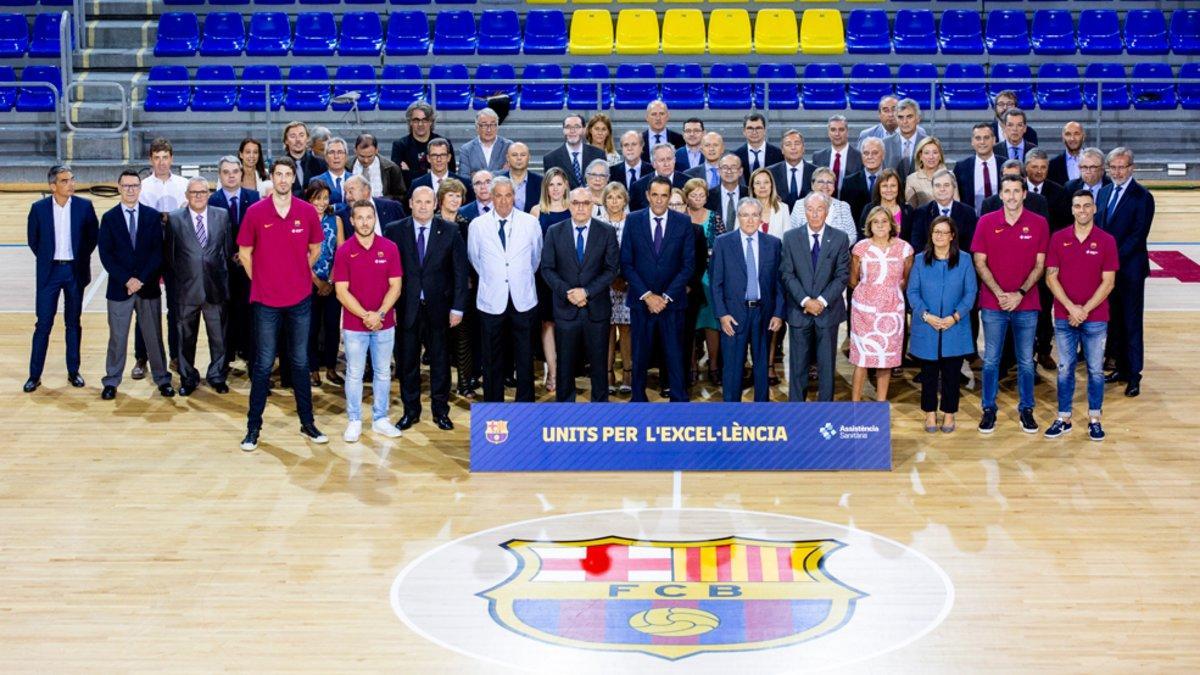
x=879, y=267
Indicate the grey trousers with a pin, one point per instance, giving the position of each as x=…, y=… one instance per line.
x=149, y=326
x=802, y=341
x=189, y=328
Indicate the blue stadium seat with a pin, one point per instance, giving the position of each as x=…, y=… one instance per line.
x=252, y=97
x=1053, y=32
x=729, y=86
x=689, y=95
x=17, y=3
x=167, y=97
x=867, y=32
x=968, y=94
x=1112, y=95
x=454, y=32
x=407, y=34
x=915, y=32
x=1153, y=95
x=823, y=96
x=1100, y=32
x=224, y=34
x=316, y=34
x=499, y=32
x=1185, y=31
x=961, y=32
x=780, y=95
x=1007, y=32
x=918, y=91
x=224, y=2
x=56, y=3
x=178, y=34
x=545, y=32
x=411, y=2
x=1189, y=86
x=165, y=2
x=1023, y=87
x=400, y=92
x=1146, y=32
x=450, y=96
x=14, y=36
x=274, y=2
x=492, y=79
x=311, y=97
x=368, y=93
x=320, y=2
x=364, y=2
x=43, y=41
x=633, y=96
x=362, y=34
x=270, y=34
x=866, y=96
x=583, y=95
x=542, y=96
x=8, y=95
x=39, y=99
x=456, y=2
x=214, y=97
x=1058, y=96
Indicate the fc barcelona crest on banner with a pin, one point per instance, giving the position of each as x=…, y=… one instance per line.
x=671, y=599
x=497, y=431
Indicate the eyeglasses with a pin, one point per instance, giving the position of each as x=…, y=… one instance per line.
x=597, y=175
x=197, y=193
x=575, y=203
x=418, y=120
x=573, y=127
x=437, y=155
x=486, y=125
x=130, y=186
x=1118, y=167
x=1089, y=167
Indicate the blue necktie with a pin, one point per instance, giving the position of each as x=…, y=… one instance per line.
x=233, y=212
x=421, y=245
x=579, y=243
x=658, y=235
x=751, y=271
x=1015, y=152
x=1112, y=202
x=793, y=186
x=816, y=250
x=131, y=216
x=575, y=166
x=713, y=178
x=870, y=182
x=503, y=243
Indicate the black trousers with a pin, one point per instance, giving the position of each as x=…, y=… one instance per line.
x=512, y=328
x=239, y=328
x=581, y=337
x=1044, y=338
x=1126, y=307
x=940, y=376
x=428, y=331
x=324, y=331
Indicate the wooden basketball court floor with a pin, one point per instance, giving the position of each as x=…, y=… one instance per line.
x=135, y=535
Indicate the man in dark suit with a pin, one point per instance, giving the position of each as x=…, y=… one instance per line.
x=691, y=155
x=131, y=250
x=62, y=231
x=657, y=116
x=482, y=182
x=712, y=149
x=198, y=245
x=1064, y=168
x=1125, y=210
x=573, y=156
x=381, y=173
x=439, y=158
x=432, y=301
x=580, y=260
x=357, y=188
x=633, y=167
x=308, y=165
x=815, y=269
x=857, y=187
x=410, y=152
x=1033, y=202
x=236, y=199
x=1014, y=143
x=1007, y=100
x=984, y=164
x=1091, y=174
x=756, y=153
x=1037, y=167
x=793, y=175
x=732, y=189
x=526, y=184
x=657, y=251
x=664, y=166
x=747, y=298
x=943, y=204
x=841, y=157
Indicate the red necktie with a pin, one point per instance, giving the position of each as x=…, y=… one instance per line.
x=987, y=181
x=765, y=226
x=837, y=170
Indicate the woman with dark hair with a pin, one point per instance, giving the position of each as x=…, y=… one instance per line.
x=254, y=167
x=599, y=133
x=941, y=292
x=324, y=329
x=450, y=195
x=879, y=266
x=887, y=194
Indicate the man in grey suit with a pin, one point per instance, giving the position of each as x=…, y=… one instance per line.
x=841, y=157
x=488, y=150
x=815, y=269
x=198, y=246
x=900, y=147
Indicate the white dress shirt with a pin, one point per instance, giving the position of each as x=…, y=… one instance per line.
x=371, y=173
x=486, y=150
x=164, y=195
x=787, y=177
x=756, y=156
x=194, y=214
x=1072, y=166
x=839, y=218
x=992, y=173
x=506, y=271
x=62, y=230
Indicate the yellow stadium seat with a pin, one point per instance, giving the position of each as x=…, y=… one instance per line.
x=683, y=31
x=729, y=31
x=591, y=32
x=637, y=31
x=773, y=0
x=821, y=32
x=775, y=32
x=638, y=1
x=547, y=2
x=592, y=2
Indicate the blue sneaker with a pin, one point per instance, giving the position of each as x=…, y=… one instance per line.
x=1095, y=431
x=1059, y=428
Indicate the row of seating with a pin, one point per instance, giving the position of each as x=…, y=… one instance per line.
x=729, y=86
x=471, y=2
x=30, y=99
x=18, y=41
x=31, y=3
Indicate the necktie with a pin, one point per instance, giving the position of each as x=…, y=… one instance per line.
x=1037, y=189
x=946, y=212
x=793, y=186
x=201, y=233
x=657, y=139
x=870, y=182
x=987, y=181
x=751, y=271
x=816, y=250
x=131, y=216
x=1014, y=152
x=837, y=170
x=658, y=235
x=575, y=166
x=486, y=209
x=713, y=179
x=730, y=211
x=632, y=176
x=754, y=162
x=1112, y=202
x=503, y=243
x=421, y=245
x=233, y=212
x=907, y=150
x=579, y=243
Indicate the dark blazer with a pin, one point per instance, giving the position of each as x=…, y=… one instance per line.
x=616, y=172
x=533, y=187
x=699, y=171
x=780, y=171
x=667, y=273
x=853, y=162
x=1058, y=204
x=855, y=193
x=561, y=158
x=123, y=260
x=728, y=275
x=1001, y=149
x=637, y=196
x=411, y=152
x=715, y=203
x=85, y=229
x=386, y=211
x=471, y=211
x=1076, y=185
x=246, y=199
x=906, y=220
x=562, y=270
x=201, y=275
x=962, y=214
x=964, y=175
x=390, y=176
x=1034, y=203
x=1058, y=169
x=1129, y=225
x=683, y=161
x=828, y=280
x=771, y=155
x=311, y=166
x=673, y=137
x=427, y=181
x=1031, y=136
x=443, y=276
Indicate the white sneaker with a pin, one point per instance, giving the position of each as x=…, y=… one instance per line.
x=386, y=428
x=353, y=431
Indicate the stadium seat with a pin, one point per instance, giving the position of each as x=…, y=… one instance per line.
x=687, y=95
x=43, y=39
x=223, y=2
x=411, y=2
x=536, y=95
x=545, y=32
x=315, y=2
x=821, y=32
x=224, y=34
x=361, y=2
x=316, y=34
x=252, y=97
x=1146, y=32
x=456, y=2
x=776, y=32
x=274, y=2
x=408, y=34
x=1007, y=32
x=729, y=31
x=1058, y=95
x=450, y=96
x=637, y=31
x=1185, y=31
x=56, y=3
x=683, y=32
x=167, y=97
x=966, y=94
x=591, y=32
x=368, y=94
x=1189, y=86
x=14, y=36
x=362, y=34
x=178, y=34
x=492, y=79
x=24, y=3
x=270, y=34
x=454, y=32
x=214, y=97
x=1022, y=83
x=824, y=96
x=311, y=97
x=499, y=32
x=729, y=86
x=1053, y=32
x=635, y=96
x=1100, y=32
x=1153, y=95
x=39, y=99
x=915, y=32
x=961, y=32
x=866, y=95
x=922, y=92
x=583, y=95
x=778, y=95
x=867, y=32
x=1111, y=95
x=398, y=91
x=8, y=95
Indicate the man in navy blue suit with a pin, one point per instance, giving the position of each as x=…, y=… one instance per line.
x=657, y=252
x=1125, y=210
x=747, y=298
x=236, y=199
x=62, y=232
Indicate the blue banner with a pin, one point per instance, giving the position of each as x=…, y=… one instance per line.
x=681, y=437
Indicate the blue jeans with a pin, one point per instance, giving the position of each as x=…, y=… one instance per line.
x=995, y=329
x=267, y=322
x=1093, y=335
x=380, y=344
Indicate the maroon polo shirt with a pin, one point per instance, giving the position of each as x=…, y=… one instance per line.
x=1080, y=267
x=367, y=270
x=282, y=275
x=1011, y=252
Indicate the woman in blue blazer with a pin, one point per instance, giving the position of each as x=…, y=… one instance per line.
x=941, y=293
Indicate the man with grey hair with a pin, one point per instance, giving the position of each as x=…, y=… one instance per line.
x=481, y=186
x=1003, y=102
x=1092, y=176
x=662, y=158
x=793, y=176
x=317, y=138
x=336, y=154
x=385, y=177
x=841, y=158
x=1037, y=169
x=488, y=150
x=633, y=166
x=235, y=199
x=857, y=187
x=887, y=121
x=409, y=153
x=900, y=147
x=1015, y=143
x=357, y=188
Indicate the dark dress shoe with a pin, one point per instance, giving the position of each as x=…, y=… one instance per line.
x=220, y=388
x=1133, y=389
x=75, y=379
x=510, y=382
x=186, y=390
x=166, y=390
x=109, y=393
x=31, y=385
x=1047, y=362
x=333, y=378
x=1113, y=378
x=443, y=422
x=407, y=421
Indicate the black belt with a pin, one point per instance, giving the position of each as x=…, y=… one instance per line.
x=753, y=303
x=64, y=262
